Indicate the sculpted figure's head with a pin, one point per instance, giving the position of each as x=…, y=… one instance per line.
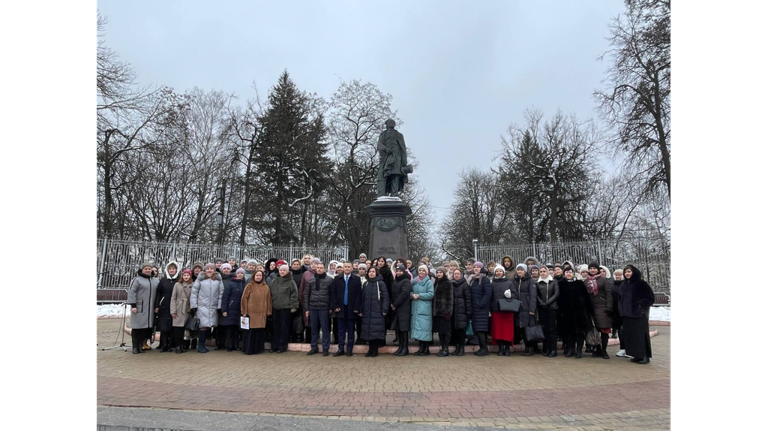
x=390, y=123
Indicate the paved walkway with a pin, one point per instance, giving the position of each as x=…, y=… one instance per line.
x=513, y=392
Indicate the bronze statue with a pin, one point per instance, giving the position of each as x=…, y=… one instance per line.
x=393, y=161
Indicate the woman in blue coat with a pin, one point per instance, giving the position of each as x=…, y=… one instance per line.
x=230, y=308
x=422, y=293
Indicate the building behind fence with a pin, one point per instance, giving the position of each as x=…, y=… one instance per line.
x=652, y=260
x=118, y=261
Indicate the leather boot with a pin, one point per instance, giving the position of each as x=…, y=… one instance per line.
x=501, y=348
x=483, y=346
x=403, y=340
x=399, y=342
x=135, y=342
x=569, y=353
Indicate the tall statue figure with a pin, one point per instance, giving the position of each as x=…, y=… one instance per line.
x=393, y=161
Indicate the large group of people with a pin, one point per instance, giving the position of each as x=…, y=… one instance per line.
x=357, y=302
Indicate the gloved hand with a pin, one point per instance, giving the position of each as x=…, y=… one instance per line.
x=508, y=293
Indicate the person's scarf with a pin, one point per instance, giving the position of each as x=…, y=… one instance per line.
x=592, y=283
x=472, y=277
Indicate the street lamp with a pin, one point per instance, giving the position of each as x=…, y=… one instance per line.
x=220, y=192
x=474, y=243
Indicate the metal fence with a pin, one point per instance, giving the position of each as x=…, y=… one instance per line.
x=652, y=260
x=118, y=261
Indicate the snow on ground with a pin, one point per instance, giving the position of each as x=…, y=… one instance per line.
x=661, y=314
x=111, y=310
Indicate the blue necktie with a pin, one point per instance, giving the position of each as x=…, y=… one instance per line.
x=346, y=290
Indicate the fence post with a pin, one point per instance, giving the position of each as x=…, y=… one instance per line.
x=101, y=267
x=474, y=242
x=346, y=252
x=534, y=250
x=600, y=253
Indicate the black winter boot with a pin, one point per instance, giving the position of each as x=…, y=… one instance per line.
x=135, y=342
x=483, y=345
x=604, y=346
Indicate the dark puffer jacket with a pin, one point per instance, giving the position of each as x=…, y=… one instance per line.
x=374, y=305
x=401, y=299
x=462, y=303
x=317, y=295
x=230, y=301
x=526, y=290
x=481, y=303
x=498, y=287
x=163, y=298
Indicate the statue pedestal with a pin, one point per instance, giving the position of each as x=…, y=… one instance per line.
x=389, y=234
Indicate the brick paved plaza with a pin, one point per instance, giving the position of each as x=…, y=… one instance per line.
x=517, y=392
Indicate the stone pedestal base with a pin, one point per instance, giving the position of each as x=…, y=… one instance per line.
x=389, y=234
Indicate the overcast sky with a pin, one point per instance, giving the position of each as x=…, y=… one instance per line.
x=459, y=72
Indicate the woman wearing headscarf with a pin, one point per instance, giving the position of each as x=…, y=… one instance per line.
x=502, y=322
x=602, y=305
x=527, y=291
x=549, y=291
x=635, y=300
x=163, y=305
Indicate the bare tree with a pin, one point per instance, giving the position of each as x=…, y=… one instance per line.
x=247, y=129
x=422, y=238
x=636, y=100
x=356, y=116
x=547, y=170
x=478, y=212
x=208, y=151
x=125, y=111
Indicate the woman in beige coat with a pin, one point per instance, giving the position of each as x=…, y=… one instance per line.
x=180, y=308
x=256, y=304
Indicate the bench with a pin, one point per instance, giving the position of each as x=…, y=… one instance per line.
x=661, y=299
x=111, y=295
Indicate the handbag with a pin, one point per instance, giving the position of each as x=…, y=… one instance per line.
x=470, y=332
x=297, y=323
x=533, y=334
x=245, y=322
x=192, y=324
x=394, y=325
x=593, y=337
x=512, y=305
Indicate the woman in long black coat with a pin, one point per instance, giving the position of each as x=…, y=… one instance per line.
x=527, y=291
x=635, y=300
x=480, y=286
x=389, y=279
x=442, y=309
x=574, y=313
x=163, y=306
x=462, y=310
x=374, y=312
x=401, y=308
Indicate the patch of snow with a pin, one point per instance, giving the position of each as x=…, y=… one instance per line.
x=111, y=310
x=661, y=314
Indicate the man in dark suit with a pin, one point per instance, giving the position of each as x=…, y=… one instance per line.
x=346, y=301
